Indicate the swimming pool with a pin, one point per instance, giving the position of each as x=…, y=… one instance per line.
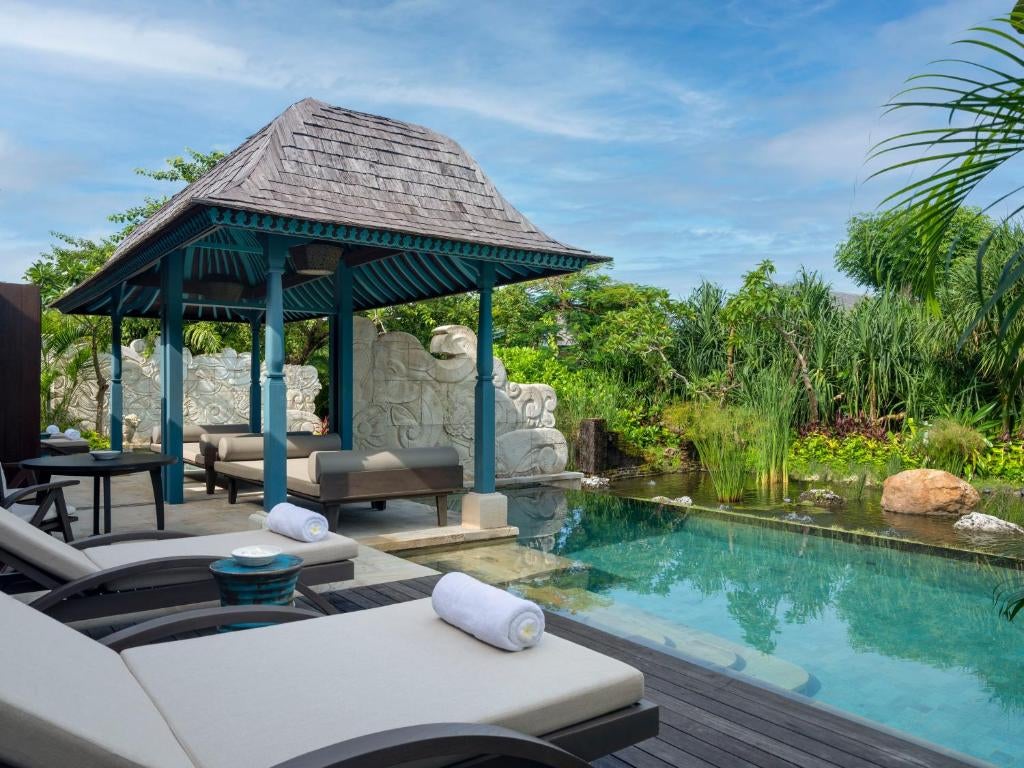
x=911, y=641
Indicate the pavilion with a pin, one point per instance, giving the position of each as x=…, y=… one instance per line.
x=322, y=213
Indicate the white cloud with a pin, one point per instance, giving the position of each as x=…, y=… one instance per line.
x=125, y=42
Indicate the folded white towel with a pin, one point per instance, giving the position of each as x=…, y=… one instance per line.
x=53, y=429
x=297, y=523
x=72, y=434
x=488, y=613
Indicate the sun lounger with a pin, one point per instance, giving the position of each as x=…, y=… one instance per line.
x=41, y=505
x=381, y=687
x=137, y=571
x=317, y=470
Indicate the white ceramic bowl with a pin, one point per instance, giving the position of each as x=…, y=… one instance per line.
x=255, y=555
x=104, y=455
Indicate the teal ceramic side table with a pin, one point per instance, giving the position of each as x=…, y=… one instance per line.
x=270, y=584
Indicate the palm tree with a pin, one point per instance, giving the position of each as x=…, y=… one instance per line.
x=983, y=103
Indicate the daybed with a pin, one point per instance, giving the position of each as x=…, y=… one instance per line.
x=381, y=687
x=319, y=471
x=199, y=445
x=141, y=570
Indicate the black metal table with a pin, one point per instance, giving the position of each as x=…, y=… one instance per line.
x=84, y=465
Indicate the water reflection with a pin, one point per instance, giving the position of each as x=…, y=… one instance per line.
x=757, y=584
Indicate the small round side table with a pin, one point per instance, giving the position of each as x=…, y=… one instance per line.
x=270, y=584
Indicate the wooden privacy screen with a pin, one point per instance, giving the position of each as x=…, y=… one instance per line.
x=20, y=346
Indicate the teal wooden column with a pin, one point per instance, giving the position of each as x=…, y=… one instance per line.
x=332, y=373
x=172, y=386
x=275, y=401
x=116, y=391
x=255, y=395
x=483, y=410
x=341, y=364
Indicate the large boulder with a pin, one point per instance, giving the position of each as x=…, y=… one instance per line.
x=928, y=492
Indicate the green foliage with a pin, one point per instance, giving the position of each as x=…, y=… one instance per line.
x=97, y=441
x=772, y=398
x=723, y=438
x=816, y=450
x=946, y=444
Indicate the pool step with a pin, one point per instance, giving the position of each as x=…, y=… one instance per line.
x=640, y=626
x=497, y=563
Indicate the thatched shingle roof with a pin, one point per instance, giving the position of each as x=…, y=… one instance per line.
x=324, y=163
x=412, y=209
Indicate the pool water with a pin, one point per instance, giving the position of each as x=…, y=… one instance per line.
x=910, y=641
x=862, y=509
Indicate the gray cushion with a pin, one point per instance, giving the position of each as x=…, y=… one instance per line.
x=65, y=700
x=325, y=462
x=191, y=433
x=250, y=448
x=27, y=511
x=344, y=676
x=41, y=549
x=333, y=549
x=297, y=471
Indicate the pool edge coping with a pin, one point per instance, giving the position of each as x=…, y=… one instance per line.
x=853, y=537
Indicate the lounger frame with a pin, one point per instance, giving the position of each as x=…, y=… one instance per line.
x=90, y=596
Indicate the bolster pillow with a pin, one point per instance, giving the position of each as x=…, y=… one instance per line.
x=297, y=446
x=335, y=462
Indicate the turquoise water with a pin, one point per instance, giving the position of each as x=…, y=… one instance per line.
x=910, y=641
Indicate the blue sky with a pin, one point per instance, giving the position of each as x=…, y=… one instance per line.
x=687, y=140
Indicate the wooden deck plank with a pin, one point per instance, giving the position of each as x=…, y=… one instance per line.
x=714, y=720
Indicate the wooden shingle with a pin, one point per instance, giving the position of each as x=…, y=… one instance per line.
x=325, y=163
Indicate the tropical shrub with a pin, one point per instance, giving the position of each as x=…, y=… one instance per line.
x=723, y=437
x=946, y=444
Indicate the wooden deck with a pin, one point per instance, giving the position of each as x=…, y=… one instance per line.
x=708, y=719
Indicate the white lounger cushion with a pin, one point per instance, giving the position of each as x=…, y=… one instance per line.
x=387, y=667
x=65, y=700
x=41, y=549
x=333, y=549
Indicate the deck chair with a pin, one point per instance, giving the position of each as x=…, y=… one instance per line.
x=381, y=687
x=137, y=571
x=40, y=505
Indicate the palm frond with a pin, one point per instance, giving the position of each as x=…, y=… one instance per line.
x=983, y=105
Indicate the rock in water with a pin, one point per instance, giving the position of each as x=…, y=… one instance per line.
x=686, y=501
x=594, y=482
x=976, y=522
x=928, y=492
x=821, y=497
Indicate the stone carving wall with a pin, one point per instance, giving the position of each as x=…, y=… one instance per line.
x=405, y=396
x=216, y=390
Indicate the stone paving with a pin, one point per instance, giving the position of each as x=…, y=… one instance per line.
x=404, y=524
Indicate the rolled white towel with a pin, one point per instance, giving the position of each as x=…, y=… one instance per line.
x=72, y=434
x=488, y=613
x=53, y=429
x=297, y=523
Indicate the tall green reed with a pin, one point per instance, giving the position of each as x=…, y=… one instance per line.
x=771, y=395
